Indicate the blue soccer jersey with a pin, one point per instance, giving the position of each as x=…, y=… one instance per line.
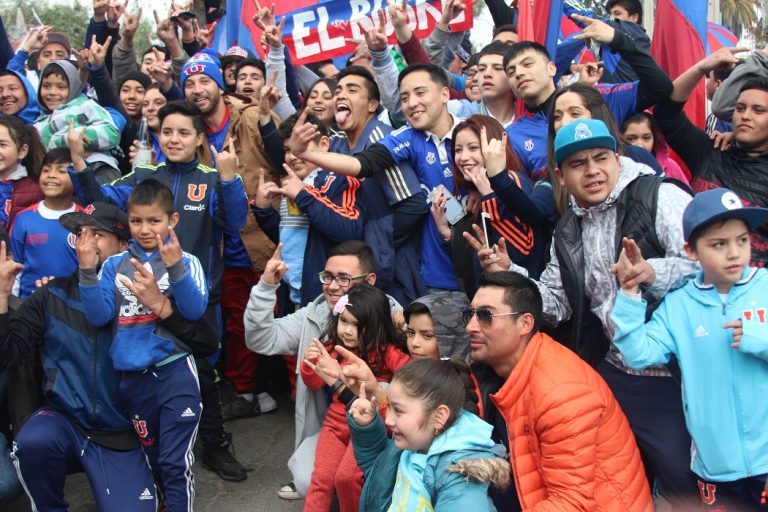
x=42, y=245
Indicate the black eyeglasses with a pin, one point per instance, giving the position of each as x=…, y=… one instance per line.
x=470, y=73
x=484, y=315
x=342, y=280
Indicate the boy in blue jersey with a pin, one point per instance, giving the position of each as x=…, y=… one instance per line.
x=716, y=327
x=38, y=241
x=425, y=145
x=210, y=202
x=159, y=386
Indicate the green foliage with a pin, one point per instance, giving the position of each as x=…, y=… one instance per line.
x=72, y=20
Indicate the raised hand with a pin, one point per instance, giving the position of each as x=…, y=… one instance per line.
x=492, y=259
x=275, y=269
x=375, y=36
x=274, y=34
x=364, y=411
x=204, y=35
x=130, y=26
x=145, y=289
x=326, y=367
x=479, y=178
x=37, y=39
x=100, y=9
x=438, y=214
x=87, y=251
x=115, y=11
x=356, y=371
x=264, y=191
x=9, y=269
x=268, y=98
x=722, y=141
x=161, y=72
x=303, y=134
x=170, y=252
x=631, y=268
x=312, y=353
x=226, y=162
x=291, y=184
x=77, y=141
x=39, y=283
x=166, y=29
x=451, y=10
x=494, y=152
x=264, y=17
x=591, y=73
x=98, y=52
x=594, y=29
x=724, y=58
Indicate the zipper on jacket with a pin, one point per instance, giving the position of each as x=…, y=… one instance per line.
x=176, y=178
x=739, y=415
x=95, y=377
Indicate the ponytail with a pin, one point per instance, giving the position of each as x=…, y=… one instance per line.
x=437, y=382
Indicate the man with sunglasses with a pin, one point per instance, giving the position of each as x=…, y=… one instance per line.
x=570, y=444
x=348, y=264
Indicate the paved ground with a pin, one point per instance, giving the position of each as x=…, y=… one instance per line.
x=263, y=444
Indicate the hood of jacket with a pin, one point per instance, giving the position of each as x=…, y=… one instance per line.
x=707, y=295
x=73, y=77
x=31, y=111
x=628, y=171
x=444, y=308
x=468, y=433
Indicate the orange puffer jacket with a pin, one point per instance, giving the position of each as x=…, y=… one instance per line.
x=570, y=444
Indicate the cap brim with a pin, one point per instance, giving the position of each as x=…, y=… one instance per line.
x=754, y=217
x=73, y=221
x=569, y=149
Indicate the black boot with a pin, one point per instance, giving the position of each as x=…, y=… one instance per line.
x=218, y=458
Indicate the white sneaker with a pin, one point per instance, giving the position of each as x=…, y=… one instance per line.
x=288, y=491
x=266, y=403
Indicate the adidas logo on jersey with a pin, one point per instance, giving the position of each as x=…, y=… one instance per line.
x=146, y=495
x=700, y=332
x=188, y=413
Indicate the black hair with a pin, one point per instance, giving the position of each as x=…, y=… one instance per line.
x=328, y=81
x=494, y=48
x=186, y=109
x=437, y=382
x=504, y=28
x=415, y=308
x=24, y=134
x=375, y=328
x=53, y=69
x=357, y=248
x=520, y=293
x=157, y=47
x=723, y=72
x=56, y=156
x=370, y=81
x=523, y=46
x=315, y=67
x=286, y=127
x=436, y=74
x=758, y=83
x=149, y=192
x=256, y=63
x=699, y=231
x=631, y=6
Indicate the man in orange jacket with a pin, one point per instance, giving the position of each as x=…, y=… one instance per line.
x=570, y=444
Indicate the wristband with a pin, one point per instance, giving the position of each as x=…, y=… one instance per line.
x=336, y=385
x=347, y=397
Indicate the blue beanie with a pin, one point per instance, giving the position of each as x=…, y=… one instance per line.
x=205, y=64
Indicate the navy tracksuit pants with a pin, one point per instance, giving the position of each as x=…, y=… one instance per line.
x=48, y=447
x=164, y=405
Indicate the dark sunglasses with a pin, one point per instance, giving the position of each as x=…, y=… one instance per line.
x=484, y=315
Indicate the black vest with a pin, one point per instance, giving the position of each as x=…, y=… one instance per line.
x=636, y=219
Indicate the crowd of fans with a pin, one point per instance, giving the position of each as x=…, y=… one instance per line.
x=497, y=281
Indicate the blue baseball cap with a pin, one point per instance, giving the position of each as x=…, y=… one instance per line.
x=580, y=135
x=719, y=204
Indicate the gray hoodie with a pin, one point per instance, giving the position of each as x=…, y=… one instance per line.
x=444, y=308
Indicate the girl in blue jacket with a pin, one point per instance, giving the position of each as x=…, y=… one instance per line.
x=440, y=456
